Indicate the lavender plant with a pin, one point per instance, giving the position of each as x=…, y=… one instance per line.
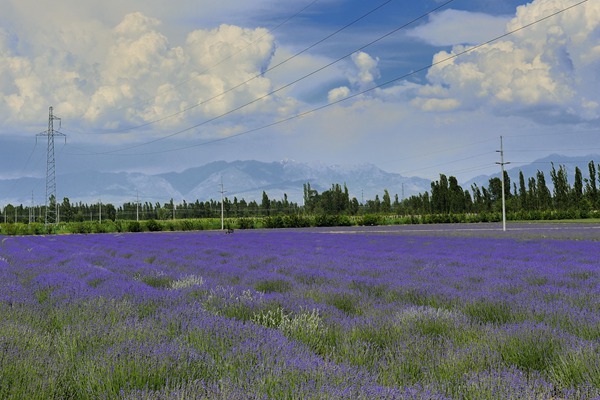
x=298, y=315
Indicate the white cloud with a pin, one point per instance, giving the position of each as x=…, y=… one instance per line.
x=338, y=94
x=367, y=69
x=134, y=75
x=548, y=69
x=361, y=75
x=450, y=27
x=433, y=105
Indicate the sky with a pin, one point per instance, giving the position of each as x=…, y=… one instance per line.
x=417, y=88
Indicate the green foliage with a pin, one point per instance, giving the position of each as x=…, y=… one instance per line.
x=345, y=302
x=370, y=220
x=530, y=351
x=153, y=226
x=332, y=220
x=489, y=312
x=245, y=223
x=158, y=281
x=576, y=369
x=273, y=286
x=274, y=222
x=186, y=225
x=134, y=226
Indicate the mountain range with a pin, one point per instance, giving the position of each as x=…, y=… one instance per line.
x=248, y=179
x=242, y=179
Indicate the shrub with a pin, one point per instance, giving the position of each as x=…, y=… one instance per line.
x=245, y=223
x=332, y=220
x=153, y=226
x=186, y=225
x=134, y=226
x=370, y=220
x=295, y=221
x=119, y=226
x=274, y=222
x=81, y=227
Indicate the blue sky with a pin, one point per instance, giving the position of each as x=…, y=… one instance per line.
x=141, y=86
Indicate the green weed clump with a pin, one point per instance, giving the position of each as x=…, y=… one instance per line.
x=273, y=286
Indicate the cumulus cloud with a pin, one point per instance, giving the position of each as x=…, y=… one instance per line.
x=135, y=75
x=450, y=27
x=338, y=94
x=367, y=69
x=361, y=75
x=547, y=71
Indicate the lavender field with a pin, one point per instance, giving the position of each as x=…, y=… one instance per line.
x=300, y=315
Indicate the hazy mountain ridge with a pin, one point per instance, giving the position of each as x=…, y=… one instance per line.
x=248, y=179
x=241, y=179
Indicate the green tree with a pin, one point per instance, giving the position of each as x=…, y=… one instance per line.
x=577, y=191
x=66, y=211
x=440, y=202
x=456, y=196
x=386, y=204
x=543, y=193
x=591, y=189
x=310, y=198
x=478, y=201
x=265, y=204
x=561, y=187
x=532, y=194
x=495, y=190
x=523, y=201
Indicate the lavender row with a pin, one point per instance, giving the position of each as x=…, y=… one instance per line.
x=297, y=314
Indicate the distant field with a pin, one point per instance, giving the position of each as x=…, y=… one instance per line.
x=396, y=312
x=577, y=230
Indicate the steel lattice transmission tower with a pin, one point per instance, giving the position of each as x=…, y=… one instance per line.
x=51, y=200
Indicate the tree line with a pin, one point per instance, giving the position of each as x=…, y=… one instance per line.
x=529, y=198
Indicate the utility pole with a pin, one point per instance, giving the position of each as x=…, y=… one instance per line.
x=222, y=214
x=51, y=212
x=100, y=210
x=137, y=206
x=31, y=210
x=502, y=164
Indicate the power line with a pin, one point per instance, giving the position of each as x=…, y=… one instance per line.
x=352, y=96
x=262, y=73
x=223, y=60
x=448, y=162
x=276, y=90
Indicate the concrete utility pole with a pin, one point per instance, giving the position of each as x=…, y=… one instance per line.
x=31, y=210
x=502, y=164
x=222, y=213
x=51, y=212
